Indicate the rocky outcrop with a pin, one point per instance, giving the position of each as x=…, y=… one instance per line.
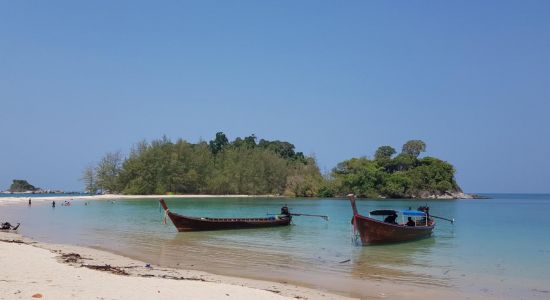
x=457, y=194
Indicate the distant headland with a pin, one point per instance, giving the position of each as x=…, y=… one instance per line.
x=21, y=186
x=252, y=167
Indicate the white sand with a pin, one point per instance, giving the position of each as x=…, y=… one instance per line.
x=29, y=268
x=11, y=200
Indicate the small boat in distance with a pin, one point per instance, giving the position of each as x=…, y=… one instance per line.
x=185, y=223
x=373, y=231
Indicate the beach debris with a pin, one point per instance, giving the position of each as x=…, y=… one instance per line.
x=37, y=295
x=173, y=277
x=107, y=268
x=148, y=266
x=345, y=261
x=71, y=257
x=13, y=241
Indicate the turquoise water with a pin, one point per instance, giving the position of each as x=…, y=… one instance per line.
x=498, y=246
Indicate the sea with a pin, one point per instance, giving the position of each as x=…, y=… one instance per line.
x=498, y=246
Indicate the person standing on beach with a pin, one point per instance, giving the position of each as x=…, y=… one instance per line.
x=53, y=204
x=29, y=201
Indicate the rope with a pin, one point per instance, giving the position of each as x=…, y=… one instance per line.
x=165, y=216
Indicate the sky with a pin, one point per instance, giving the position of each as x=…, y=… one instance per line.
x=335, y=78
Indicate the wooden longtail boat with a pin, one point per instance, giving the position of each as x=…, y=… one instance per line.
x=185, y=223
x=372, y=231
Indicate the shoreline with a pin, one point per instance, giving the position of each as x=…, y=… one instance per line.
x=66, y=271
x=121, y=197
x=285, y=285
x=463, y=196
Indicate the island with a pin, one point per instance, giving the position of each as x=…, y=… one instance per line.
x=21, y=186
x=268, y=167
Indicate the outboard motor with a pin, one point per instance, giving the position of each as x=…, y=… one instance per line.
x=285, y=211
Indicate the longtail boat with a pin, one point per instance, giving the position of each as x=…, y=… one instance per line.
x=185, y=223
x=373, y=231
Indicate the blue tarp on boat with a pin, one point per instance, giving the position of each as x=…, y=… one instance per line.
x=414, y=213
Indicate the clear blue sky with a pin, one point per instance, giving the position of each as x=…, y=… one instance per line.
x=336, y=78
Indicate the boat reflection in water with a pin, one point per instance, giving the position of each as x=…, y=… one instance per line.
x=406, y=262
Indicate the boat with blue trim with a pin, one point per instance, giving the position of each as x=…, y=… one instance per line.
x=372, y=231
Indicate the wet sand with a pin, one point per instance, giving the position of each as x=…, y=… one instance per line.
x=64, y=271
x=288, y=283
x=53, y=271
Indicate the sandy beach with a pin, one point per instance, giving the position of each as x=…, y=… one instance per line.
x=53, y=271
x=50, y=271
x=41, y=198
x=61, y=271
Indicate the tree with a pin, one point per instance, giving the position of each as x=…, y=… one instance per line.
x=89, y=179
x=108, y=170
x=384, y=153
x=250, y=141
x=402, y=162
x=283, y=149
x=217, y=144
x=414, y=148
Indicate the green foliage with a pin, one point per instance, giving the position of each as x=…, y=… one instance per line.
x=90, y=180
x=217, y=144
x=219, y=167
x=404, y=176
x=414, y=148
x=384, y=153
x=245, y=166
x=396, y=185
x=107, y=172
x=401, y=162
x=20, y=185
x=432, y=175
x=305, y=179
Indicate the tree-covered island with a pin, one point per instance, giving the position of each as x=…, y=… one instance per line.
x=252, y=167
x=20, y=186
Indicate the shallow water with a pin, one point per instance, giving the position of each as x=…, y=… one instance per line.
x=498, y=246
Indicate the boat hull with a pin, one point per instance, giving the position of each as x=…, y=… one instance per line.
x=372, y=231
x=185, y=223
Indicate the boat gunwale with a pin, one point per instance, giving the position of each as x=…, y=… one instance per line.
x=421, y=227
x=228, y=220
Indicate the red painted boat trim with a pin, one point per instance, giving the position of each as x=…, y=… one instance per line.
x=372, y=231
